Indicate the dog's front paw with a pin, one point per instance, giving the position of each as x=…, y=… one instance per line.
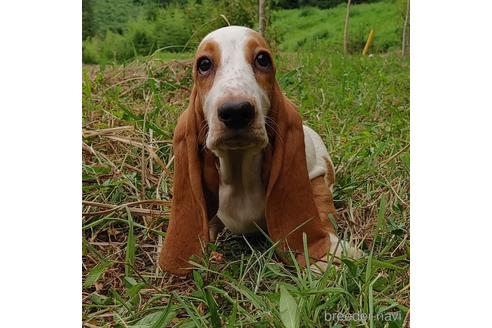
x=215, y=226
x=338, y=249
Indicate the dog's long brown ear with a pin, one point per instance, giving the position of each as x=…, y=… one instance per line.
x=187, y=232
x=291, y=209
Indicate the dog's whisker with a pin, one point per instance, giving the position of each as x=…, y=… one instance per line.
x=272, y=123
x=204, y=126
x=274, y=127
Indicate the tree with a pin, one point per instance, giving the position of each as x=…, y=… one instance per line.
x=406, y=30
x=261, y=15
x=88, y=29
x=345, y=29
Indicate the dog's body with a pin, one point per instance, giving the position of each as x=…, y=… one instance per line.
x=245, y=160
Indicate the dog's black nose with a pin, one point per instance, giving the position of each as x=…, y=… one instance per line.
x=236, y=115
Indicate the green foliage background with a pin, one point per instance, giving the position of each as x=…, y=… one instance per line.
x=124, y=29
x=118, y=31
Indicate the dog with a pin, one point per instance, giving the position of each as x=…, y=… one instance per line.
x=244, y=160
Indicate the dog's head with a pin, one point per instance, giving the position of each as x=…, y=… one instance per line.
x=234, y=78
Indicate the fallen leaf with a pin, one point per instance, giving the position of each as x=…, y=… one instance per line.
x=217, y=257
x=99, y=286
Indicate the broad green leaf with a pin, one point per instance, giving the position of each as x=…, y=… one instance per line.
x=212, y=308
x=231, y=321
x=156, y=319
x=351, y=266
x=198, y=279
x=165, y=316
x=288, y=309
x=96, y=273
x=100, y=299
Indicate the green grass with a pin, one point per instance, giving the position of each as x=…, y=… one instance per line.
x=168, y=56
x=314, y=28
x=359, y=105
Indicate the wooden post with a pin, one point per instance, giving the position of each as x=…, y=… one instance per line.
x=345, y=29
x=261, y=16
x=404, y=38
x=368, y=43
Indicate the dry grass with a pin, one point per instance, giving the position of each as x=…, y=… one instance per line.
x=127, y=168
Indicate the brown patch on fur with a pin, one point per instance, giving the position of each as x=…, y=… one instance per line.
x=265, y=78
x=210, y=178
x=291, y=209
x=188, y=227
x=266, y=164
x=209, y=49
x=324, y=202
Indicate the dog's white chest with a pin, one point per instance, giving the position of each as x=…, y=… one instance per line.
x=241, y=211
x=241, y=193
x=241, y=190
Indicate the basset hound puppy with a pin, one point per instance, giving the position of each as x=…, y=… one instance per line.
x=244, y=159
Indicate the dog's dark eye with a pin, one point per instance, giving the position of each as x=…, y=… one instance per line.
x=263, y=60
x=204, y=65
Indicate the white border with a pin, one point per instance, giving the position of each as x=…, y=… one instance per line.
x=450, y=163
x=40, y=110
x=40, y=107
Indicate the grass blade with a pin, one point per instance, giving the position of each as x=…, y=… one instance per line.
x=130, y=246
x=381, y=225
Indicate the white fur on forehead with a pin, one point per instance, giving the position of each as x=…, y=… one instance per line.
x=228, y=34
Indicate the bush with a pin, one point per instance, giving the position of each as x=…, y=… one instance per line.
x=242, y=13
x=205, y=16
x=323, y=4
x=141, y=36
x=112, y=48
x=174, y=27
x=117, y=48
x=171, y=29
x=112, y=15
x=90, y=52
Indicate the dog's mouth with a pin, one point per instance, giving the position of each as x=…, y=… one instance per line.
x=240, y=142
x=236, y=140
